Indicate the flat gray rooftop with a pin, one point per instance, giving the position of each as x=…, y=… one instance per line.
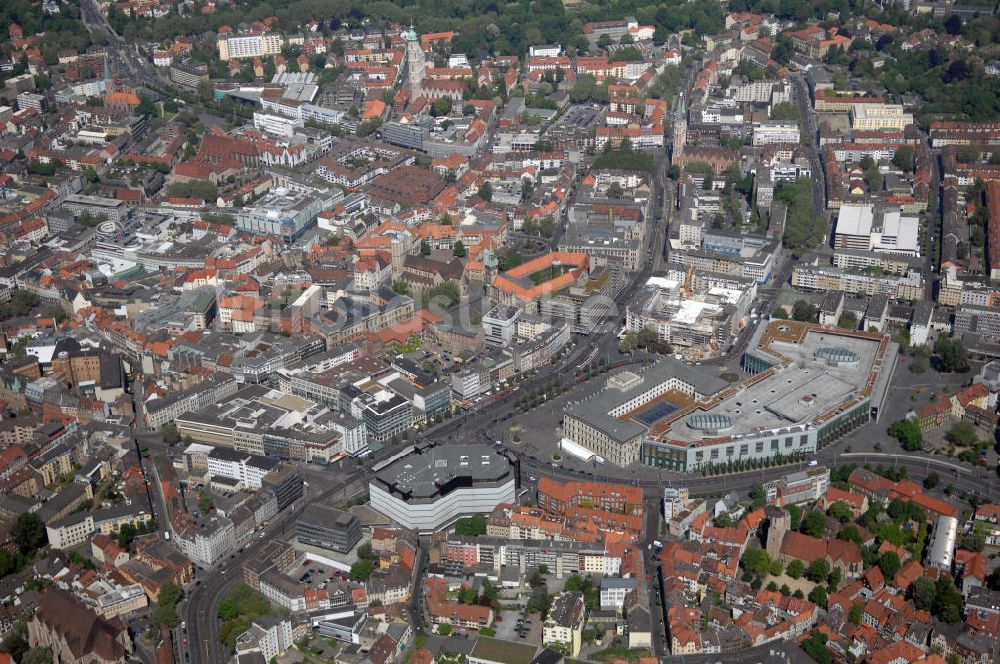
x=425, y=471
x=797, y=394
x=326, y=516
x=626, y=385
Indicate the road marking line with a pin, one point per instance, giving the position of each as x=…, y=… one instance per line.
x=903, y=456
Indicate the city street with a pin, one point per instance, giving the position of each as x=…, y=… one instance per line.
x=538, y=431
x=202, y=604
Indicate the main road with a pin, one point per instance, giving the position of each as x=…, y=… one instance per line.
x=126, y=56
x=981, y=481
x=201, y=606
x=809, y=126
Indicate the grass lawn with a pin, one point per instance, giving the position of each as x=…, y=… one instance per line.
x=619, y=651
x=550, y=272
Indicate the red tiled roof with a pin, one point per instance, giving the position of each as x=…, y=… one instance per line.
x=909, y=573
x=803, y=547
x=843, y=551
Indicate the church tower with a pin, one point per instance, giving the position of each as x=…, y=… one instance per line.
x=680, y=130
x=414, y=62
x=779, y=523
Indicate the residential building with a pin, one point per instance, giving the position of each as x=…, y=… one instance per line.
x=75, y=633
x=563, y=628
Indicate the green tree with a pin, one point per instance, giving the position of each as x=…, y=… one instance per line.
x=126, y=535
x=873, y=177
x=783, y=49
x=37, y=656
x=146, y=108
x=362, y=570
x=889, y=564
x=848, y=321
x=489, y=592
x=170, y=594
x=841, y=512
x=818, y=570
x=818, y=596
x=232, y=630
x=804, y=311
x=441, y=107
x=459, y=249
x=815, y=525
x=400, y=287
x=757, y=496
x=795, y=514
x=856, y=613
x=200, y=189
x=850, y=534
x=795, y=569
x=951, y=355
x=165, y=615
x=169, y=433
x=443, y=295
x=28, y=533
x=485, y=191
x=993, y=580
x=903, y=159
x=975, y=540
x=963, y=432
x=42, y=168
x=166, y=612
x=948, y=601
x=815, y=647
x=803, y=227
x=574, y=583
x=756, y=564
x=923, y=593
x=540, y=601
x=724, y=521
x=425, y=248
x=625, y=158
x=908, y=433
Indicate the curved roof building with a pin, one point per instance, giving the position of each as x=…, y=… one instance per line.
x=429, y=486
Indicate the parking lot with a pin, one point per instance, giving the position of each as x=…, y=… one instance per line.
x=505, y=625
x=314, y=574
x=510, y=627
